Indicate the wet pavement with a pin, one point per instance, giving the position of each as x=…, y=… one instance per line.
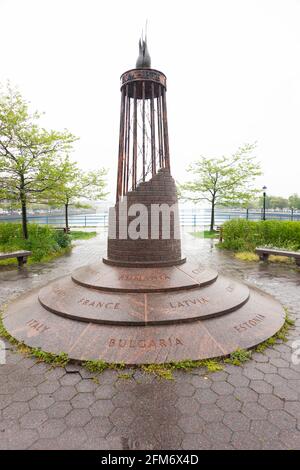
x=254, y=406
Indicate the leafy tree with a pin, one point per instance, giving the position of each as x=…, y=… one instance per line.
x=294, y=201
x=75, y=186
x=275, y=202
x=224, y=181
x=30, y=156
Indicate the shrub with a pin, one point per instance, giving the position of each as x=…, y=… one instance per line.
x=43, y=241
x=245, y=235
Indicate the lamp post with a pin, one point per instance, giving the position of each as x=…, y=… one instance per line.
x=264, y=202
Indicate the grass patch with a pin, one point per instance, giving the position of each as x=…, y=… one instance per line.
x=205, y=234
x=238, y=357
x=44, y=242
x=246, y=256
x=81, y=235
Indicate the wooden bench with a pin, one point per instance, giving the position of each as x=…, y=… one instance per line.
x=264, y=254
x=219, y=230
x=20, y=255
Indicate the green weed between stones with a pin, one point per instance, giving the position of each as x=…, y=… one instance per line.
x=162, y=371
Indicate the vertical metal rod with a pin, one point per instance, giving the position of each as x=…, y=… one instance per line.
x=144, y=131
x=166, y=133
x=124, y=176
x=128, y=148
x=121, y=146
x=153, y=156
x=159, y=130
x=134, y=154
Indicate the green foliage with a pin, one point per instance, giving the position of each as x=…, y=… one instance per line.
x=98, y=366
x=56, y=360
x=80, y=235
x=31, y=157
x=294, y=201
x=43, y=241
x=245, y=235
x=205, y=234
x=238, y=357
x=224, y=181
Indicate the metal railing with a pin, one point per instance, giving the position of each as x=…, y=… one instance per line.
x=188, y=218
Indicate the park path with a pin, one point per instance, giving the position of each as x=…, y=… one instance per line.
x=255, y=406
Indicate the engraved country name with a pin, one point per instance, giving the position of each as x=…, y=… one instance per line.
x=144, y=343
x=250, y=323
x=189, y=302
x=38, y=326
x=143, y=277
x=99, y=304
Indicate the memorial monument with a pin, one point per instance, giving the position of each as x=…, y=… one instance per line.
x=144, y=303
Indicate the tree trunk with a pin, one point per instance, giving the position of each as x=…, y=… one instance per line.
x=24, y=208
x=212, y=215
x=67, y=217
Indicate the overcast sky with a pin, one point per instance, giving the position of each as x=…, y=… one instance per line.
x=233, y=69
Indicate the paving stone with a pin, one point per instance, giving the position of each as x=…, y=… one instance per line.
x=65, y=393
x=196, y=442
x=33, y=419
x=211, y=413
x=187, y=406
x=264, y=430
x=245, y=394
x=291, y=439
x=51, y=428
x=201, y=382
x=49, y=386
x=72, y=438
x=98, y=427
x=191, y=424
x=266, y=368
x=293, y=408
x=184, y=390
x=275, y=379
x=260, y=386
x=236, y=421
x=206, y=396
x=222, y=388
x=217, y=432
x=219, y=376
x=285, y=393
x=229, y=403
x=169, y=437
x=78, y=417
x=294, y=385
x=15, y=410
x=253, y=374
x=122, y=416
x=254, y=411
x=101, y=408
x=288, y=373
x=105, y=391
x=244, y=440
x=24, y=394
x=59, y=409
x=270, y=402
x=70, y=379
x=238, y=380
x=83, y=400
x=86, y=386
x=41, y=402
x=259, y=357
x=282, y=419
x=21, y=438
x=279, y=362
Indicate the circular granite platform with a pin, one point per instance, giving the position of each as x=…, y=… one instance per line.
x=144, y=315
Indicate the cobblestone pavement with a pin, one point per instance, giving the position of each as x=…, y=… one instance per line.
x=255, y=406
